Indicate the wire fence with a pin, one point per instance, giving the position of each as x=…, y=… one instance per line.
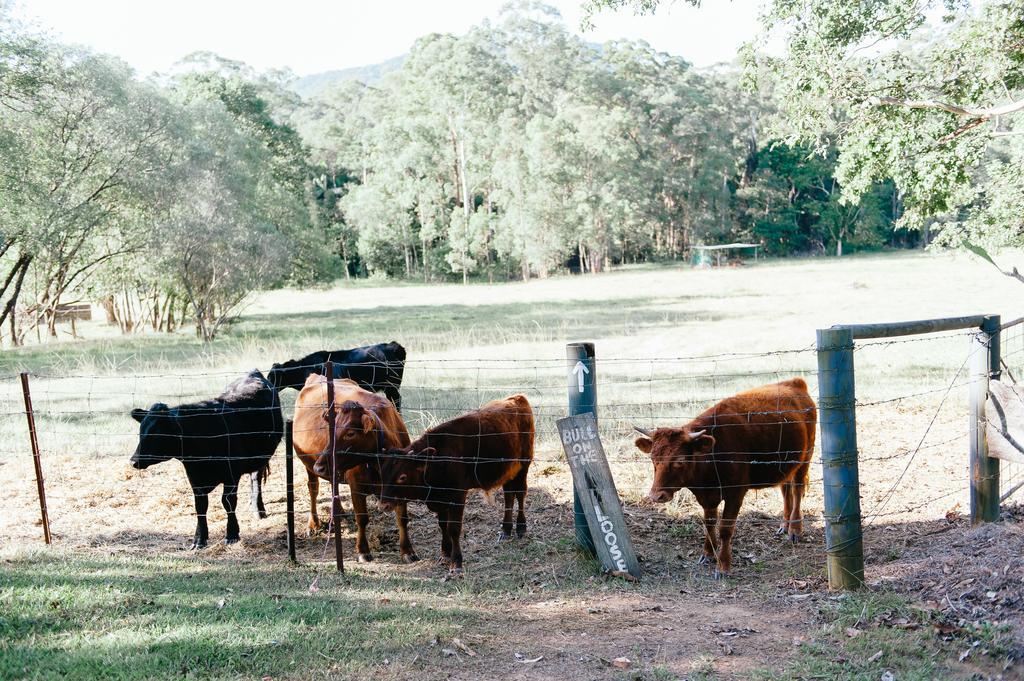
x=1011, y=473
x=911, y=409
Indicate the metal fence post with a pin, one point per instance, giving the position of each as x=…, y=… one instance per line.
x=339, y=559
x=582, y=388
x=844, y=542
x=36, y=461
x=289, y=487
x=984, y=363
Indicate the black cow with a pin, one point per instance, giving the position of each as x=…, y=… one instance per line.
x=377, y=368
x=218, y=441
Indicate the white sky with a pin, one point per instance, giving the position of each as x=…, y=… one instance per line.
x=310, y=37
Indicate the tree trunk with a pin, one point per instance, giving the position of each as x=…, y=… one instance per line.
x=466, y=211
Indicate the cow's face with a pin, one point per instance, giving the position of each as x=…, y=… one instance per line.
x=673, y=452
x=403, y=475
x=160, y=436
x=356, y=432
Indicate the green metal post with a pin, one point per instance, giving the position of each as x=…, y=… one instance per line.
x=984, y=363
x=844, y=543
x=582, y=388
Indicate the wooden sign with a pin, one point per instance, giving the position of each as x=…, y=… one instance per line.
x=596, y=489
x=1005, y=415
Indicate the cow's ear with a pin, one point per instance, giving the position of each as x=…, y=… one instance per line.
x=313, y=379
x=644, y=444
x=704, y=443
x=139, y=414
x=426, y=452
x=368, y=424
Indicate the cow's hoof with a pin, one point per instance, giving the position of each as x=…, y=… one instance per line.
x=197, y=545
x=704, y=560
x=231, y=540
x=454, y=573
x=719, y=575
x=410, y=558
x=520, y=532
x=794, y=537
x=364, y=557
x=444, y=560
x=782, y=530
x=504, y=536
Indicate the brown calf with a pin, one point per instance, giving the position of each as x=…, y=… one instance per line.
x=485, y=449
x=759, y=438
x=364, y=423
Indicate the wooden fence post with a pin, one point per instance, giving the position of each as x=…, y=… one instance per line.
x=289, y=487
x=37, y=462
x=844, y=544
x=582, y=388
x=984, y=363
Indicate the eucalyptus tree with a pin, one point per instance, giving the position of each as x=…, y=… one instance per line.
x=90, y=141
x=929, y=93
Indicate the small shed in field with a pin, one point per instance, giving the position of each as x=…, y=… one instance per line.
x=702, y=255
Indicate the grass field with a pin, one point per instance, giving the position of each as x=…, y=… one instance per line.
x=118, y=596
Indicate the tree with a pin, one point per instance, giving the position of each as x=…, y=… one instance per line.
x=934, y=109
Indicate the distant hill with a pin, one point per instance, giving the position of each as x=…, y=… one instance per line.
x=316, y=83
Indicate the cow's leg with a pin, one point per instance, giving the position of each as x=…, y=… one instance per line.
x=517, y=488
x=405, y=548
x=363, y=554
x=787, y=506
x=391, y=392
x=313, y=485
x=710, y=539
x=506, y=519
x=455, y=535
x=229, y=499
x=256, y=494
x=726, y=529
x=202, y=504
x=446, y=541
x=797, y=487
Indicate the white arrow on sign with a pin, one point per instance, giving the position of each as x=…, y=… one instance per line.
x=579, y=370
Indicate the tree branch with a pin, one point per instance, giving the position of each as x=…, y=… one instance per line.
x=983, y=114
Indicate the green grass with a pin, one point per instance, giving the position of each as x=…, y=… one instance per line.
x=90, y=617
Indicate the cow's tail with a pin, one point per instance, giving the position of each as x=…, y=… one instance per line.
x=264, y=473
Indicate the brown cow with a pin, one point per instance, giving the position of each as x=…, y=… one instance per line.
x=759, y=438
x=485, y=449
x=365, y=422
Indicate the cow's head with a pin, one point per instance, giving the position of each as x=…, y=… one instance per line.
x=673, y=452
x=403, y=474
x=160, y=436
x=287, y=375
x=358, y=433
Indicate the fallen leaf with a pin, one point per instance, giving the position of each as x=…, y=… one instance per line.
x=448, y=652
x=622, y=663
x=875, y=657
x=964, y=655
x=463, y=647
x=853, y=632
x=313, y=588
x=522, y=658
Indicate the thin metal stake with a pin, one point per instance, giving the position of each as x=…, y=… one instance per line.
x=35, y=455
